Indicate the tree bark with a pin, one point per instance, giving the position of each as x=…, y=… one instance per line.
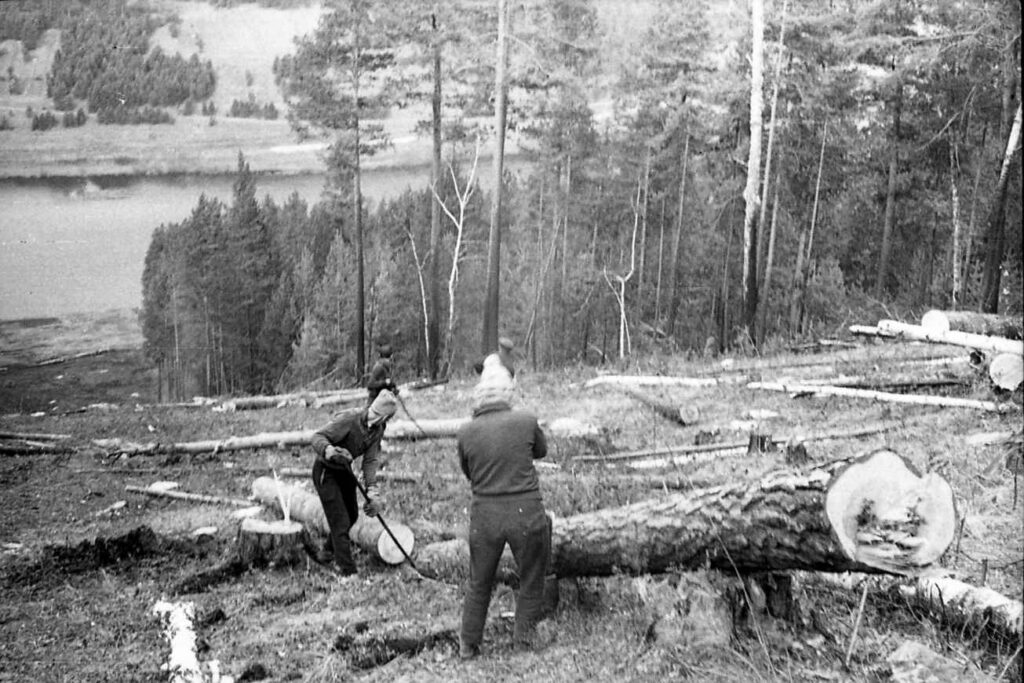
x=434, y=324
x=368, y=533
x=968, y=604
x=889, y=224
x=489, y=340
x=677, y=234
x=750, y=193
x=845, y=516
x=995, y=237
x=685, y=414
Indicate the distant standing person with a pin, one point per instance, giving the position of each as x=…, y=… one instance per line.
x=337, y=445
x=380, y=374
x=496, y=452
x=506, y=354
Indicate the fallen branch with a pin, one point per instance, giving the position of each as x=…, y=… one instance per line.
x=33, y=448
x=190, y=497
x=685, y=415
x=952, y=337
x=64, y=359
x=824, y=390
x=721, y=448
x=366, y=648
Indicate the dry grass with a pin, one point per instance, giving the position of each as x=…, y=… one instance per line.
x=96, y=624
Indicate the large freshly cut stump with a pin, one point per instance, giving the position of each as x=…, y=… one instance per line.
x=274, y=543
x=368, y=532
x=874, y=513
x=260, y=543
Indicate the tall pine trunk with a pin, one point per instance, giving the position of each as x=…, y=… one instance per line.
x=750, y=193
x=434, y=323
x=489, y=340
x=995, y=236
x=888, y=226
x=672, y=289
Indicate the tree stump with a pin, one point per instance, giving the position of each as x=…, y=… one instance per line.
x=276, y=543
x=259, y=543
x=760, y=443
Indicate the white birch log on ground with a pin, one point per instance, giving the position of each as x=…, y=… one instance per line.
x=913, y=399
x=968, y=604
x=342, y=397
x=636, y=381
x=449, y=427
x=1006, y=370
x=183, y=663
x=34, y=436
x=368, y=533
x=988, y=324
x=189, y=497
x=966, y=339
x=874, y=513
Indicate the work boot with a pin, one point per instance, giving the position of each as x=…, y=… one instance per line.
x=468, y=651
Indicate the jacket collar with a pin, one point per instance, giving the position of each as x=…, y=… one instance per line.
x=496, y=407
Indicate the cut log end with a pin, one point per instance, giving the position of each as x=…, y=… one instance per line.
x=390, y=551
x=1007, y=371
x=887, y=516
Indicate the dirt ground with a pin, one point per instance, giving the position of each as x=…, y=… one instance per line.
x=81, y=574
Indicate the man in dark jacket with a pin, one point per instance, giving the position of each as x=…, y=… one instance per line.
x=380, y=374
x=496, y=452
x=337, y=445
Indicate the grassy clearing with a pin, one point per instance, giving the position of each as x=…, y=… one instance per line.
x=95, y=624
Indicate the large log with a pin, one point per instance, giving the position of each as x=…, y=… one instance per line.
x=368, y=533
x=635, y=381
x=988, y=324
x=980, y=342
x=874, y=513
x=913, y=399
x=969, y=604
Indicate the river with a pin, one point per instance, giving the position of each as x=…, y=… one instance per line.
x=79, y=245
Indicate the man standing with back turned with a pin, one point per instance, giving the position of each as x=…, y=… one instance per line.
x=496, y=452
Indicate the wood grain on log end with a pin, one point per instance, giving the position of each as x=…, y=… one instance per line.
x=887, y=516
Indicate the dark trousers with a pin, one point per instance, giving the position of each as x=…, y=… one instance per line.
x=337, y=491
x=522, y=524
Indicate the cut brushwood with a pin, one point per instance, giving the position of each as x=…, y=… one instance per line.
x=685, y=415
x=368, y=533
x=874, y=513
x=988, y=324
x=966, y=339
x=914, y=399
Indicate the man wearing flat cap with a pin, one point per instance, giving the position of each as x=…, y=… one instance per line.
x=348, y=437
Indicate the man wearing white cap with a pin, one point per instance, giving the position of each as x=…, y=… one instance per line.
x=496, y=452
x=337, y=445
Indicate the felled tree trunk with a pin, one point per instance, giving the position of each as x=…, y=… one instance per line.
x=366, y=647
x=368, y=533
x=988, y=324
x=845, y=516
x=886, y=397
x=966, y=339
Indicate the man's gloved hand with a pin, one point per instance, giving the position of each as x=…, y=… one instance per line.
x=374, y=504
x=337, y=456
